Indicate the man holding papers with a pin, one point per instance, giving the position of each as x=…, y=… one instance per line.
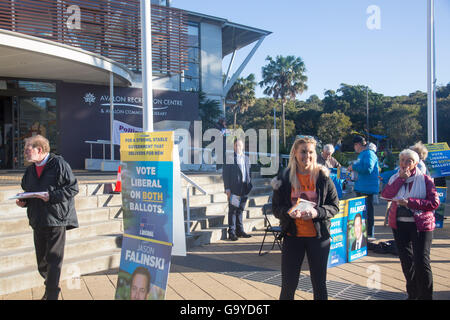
x=51, y=210
x=237, y=185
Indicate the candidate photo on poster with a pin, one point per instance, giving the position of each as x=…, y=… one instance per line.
x=360, y=240
x=357, y=229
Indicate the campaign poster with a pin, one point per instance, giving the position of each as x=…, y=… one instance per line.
x=440, y=212
x=338, y=232
x=356, y=228
x=152, y=210
x=147, y=199
x=147, y=190
x=438, y=160
x=144, y=269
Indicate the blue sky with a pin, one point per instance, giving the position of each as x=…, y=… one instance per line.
x=332, y=38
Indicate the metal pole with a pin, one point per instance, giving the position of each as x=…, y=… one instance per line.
x=430, y=68
x=188, y=210
x=434, y=81
x=111, y=114
x=367, y=108
x=147, y=89
x=274, y=119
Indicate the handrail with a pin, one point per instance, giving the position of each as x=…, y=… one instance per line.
x=188, y=206
x=194, y=184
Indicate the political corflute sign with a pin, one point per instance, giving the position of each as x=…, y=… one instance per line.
x=338, y=233
x=152, y=214
x=356, y=229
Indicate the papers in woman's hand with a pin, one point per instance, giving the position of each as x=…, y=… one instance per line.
x=27, y=195
x=302, y=206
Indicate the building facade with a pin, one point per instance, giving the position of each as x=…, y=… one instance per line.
x=61, y=61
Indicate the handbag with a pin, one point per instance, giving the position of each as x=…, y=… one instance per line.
x=403, y=212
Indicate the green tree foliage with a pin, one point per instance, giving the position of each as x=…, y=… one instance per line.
x=209, y=111
x=443, y=113
x=333, y=127
x=242, y=93
x=402, y=125
x=284, y=78
x=403, y=119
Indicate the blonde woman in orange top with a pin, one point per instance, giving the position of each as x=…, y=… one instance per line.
x=305, y=228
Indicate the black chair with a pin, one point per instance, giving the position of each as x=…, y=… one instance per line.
x=275, y=230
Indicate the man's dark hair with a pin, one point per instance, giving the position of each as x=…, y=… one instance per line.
x=143, y=271
x=359, y=139
x=358, y=215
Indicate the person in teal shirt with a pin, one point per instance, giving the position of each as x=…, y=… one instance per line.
x=367, y=183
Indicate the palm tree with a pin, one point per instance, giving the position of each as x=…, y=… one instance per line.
x=242, y=93
x=284, y=79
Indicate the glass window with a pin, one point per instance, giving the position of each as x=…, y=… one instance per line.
x=160, y=2
x=193, y=40
x=33, y=86
x=190, y=78
x=37, y=116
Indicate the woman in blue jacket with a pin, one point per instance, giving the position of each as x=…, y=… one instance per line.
x=367, y=183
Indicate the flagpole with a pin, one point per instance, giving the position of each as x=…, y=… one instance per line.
x=146, y=54
x=431, y=109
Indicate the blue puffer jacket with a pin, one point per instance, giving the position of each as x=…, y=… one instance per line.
x=367, y=168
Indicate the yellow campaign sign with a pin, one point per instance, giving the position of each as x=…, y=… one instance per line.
x=146, y=146
x=441, y=146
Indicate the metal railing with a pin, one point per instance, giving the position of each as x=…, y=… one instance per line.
x=188, y=191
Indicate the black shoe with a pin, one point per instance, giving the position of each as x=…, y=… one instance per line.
x=244, y=235
x=233, y=237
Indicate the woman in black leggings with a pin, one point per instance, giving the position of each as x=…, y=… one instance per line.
x=306, y=229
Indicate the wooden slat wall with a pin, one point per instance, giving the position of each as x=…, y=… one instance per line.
x=110, y=28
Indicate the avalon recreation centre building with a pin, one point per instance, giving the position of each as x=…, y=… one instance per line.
x=61, y=60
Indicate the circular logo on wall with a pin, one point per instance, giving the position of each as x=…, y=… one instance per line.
x=89, y=98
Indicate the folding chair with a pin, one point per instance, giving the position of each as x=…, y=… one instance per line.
x=275, y=230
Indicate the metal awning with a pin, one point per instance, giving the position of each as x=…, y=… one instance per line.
x=234, y=36
x=28, y=57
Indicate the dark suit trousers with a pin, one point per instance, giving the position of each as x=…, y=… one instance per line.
x=49, y=246
x=414, y=252
x=235, y=220
x=370, y=213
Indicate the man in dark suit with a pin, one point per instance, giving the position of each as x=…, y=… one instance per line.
x=360, y=241
x=237, y=185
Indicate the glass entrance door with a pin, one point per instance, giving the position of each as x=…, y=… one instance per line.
x=37, y=116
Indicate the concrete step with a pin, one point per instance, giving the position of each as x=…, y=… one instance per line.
x=216, y=234
x=221, y=207
x=18, y=222
x=81, y=203
x=218, y=208
x=206, y=222
x=25, y=278
x=22, y=258
x=23, y=240
x=196, y=200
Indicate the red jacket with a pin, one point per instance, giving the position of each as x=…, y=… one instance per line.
x=424, y=221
